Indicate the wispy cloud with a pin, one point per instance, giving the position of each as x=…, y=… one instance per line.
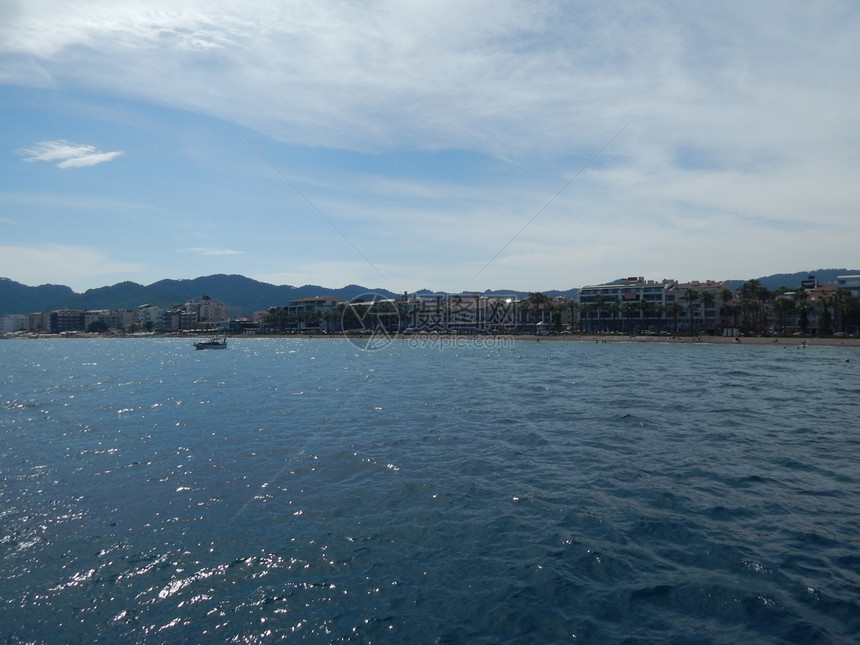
x=69, y=155
x=76, y=266
x=206, y=251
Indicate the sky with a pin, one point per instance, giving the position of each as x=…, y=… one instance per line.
x=449, y=145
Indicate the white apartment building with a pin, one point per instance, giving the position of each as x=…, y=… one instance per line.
x=207, y=309
x=11, y=323
x=636, y=304
x=850, y=283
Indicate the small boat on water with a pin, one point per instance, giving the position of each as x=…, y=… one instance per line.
x=212, y=343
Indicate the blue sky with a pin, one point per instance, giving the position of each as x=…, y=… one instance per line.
x=427, y=144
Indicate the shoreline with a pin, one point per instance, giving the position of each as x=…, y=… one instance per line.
x=782, y=341
x=775, y=341
x=785, y=341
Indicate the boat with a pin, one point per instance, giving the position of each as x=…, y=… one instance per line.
x=212, y=343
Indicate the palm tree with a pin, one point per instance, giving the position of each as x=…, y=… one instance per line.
x=763, y=297
x=754, y=298
x=782, y=306
x=825, y=319
x=841, y=304
x=629, y=309
x=537, y=303
x=801, y=299
x=646, y=310
x=691, y=295
x=614, y=311
x=727, y=297
x=586, y=312
x=659, y=310
x=573, y=308
x=708, y=300
x=673, y=309
x=598, y=302
x=555, y=309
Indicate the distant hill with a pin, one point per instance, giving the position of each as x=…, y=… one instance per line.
x=793, y=280
x=16, y=298
x=243, y=295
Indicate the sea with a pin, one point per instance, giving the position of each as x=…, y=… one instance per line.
x=470, y=491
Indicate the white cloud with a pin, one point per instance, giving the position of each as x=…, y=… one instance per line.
x=70, y=155
x=206, y=251
x=489, y=75
x=89, y=159
x=79, y=267
x=503, y=77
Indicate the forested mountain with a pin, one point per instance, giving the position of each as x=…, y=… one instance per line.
x=16, y=298
x=242, y=295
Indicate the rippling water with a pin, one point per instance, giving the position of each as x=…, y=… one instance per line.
x=535, y=493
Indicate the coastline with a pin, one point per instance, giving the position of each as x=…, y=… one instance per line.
x=784, y=341
x=774, y=341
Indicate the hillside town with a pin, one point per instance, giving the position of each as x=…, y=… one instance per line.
x=630, y=305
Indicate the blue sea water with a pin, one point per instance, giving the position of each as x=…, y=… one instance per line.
x=308, y=491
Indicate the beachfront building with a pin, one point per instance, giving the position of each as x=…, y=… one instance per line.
x=700, y=304
x=104, y=319
x=319, y=313
x=66, y=320
x=206, y=310
x=629, y=304
x=819, y=317
x=151, y=317
x=12, y=323
x=198, y=312
x=39, y=322
x=307, y=315
x=850, y=283
x=634, y=304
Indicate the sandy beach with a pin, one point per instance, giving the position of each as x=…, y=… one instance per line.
x=779, y=341
x=776, y=341
x=785, y=341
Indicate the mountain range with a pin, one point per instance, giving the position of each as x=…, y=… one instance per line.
x=243, y=295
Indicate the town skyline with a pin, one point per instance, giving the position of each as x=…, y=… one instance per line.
x=633, y=305
x=457, y=145
x=245, y=294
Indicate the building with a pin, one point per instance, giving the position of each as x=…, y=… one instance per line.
x=628, y=304
x=39, y=322
x=634, y=304
x=12, y=323
x=850, y=283
x=319, y=313
x=313, y=315
x=207, y=310
x=197, y=312
x=152, y=317
x=701, y=302
x=105, y=318
x=66, y=320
